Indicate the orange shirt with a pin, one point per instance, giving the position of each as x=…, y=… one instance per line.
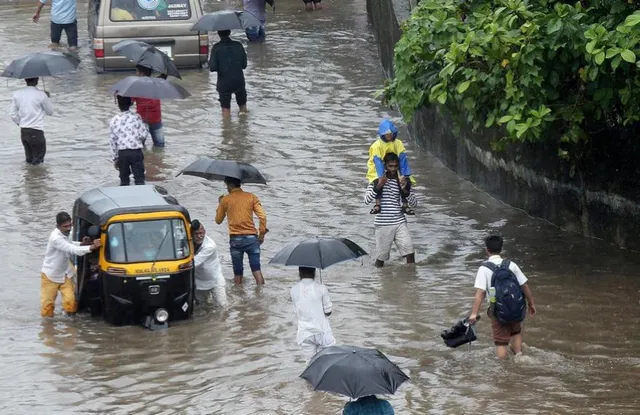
x=239, y=206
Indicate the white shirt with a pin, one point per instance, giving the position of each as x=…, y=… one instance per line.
x=127, y=131
x=57, y=257
x=310, y=302
x=208, y=268
x=483, y=277
x=28, y=107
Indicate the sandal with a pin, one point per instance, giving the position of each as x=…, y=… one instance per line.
x=376, y=209
x=407, y=210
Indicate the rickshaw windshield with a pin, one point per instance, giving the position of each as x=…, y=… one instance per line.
x=147, y=241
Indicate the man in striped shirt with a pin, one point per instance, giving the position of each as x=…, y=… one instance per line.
x=391, y=223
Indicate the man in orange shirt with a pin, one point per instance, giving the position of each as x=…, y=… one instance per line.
x=238, y=207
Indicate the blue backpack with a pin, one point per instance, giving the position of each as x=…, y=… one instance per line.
x=510, y=305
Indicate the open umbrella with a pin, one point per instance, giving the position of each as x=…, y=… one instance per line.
x=38, y=64
x=147, y=87
x=212, y=169
x=225, y=20
x=353, y=371
x=318, y=252
x=144, y=54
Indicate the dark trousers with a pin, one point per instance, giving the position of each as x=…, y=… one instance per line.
x=131, y=161
x=70, y=29
x=35, y=145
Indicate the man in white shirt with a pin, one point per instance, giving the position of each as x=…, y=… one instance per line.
x=28, y=107
x=127, y=134
x=210, y=284
x=312, y=306
x=57, y=270
x=504, y=334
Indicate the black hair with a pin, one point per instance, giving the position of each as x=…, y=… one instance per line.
x=31, y=81
x=195, y=225
x=233, y=182
x=391, y=157
x=124, y=103
x=307, y=272
x=62, y=217
x=494, y=244
x=224, y=33
x=143, y=70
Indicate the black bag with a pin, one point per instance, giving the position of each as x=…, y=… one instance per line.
x=461, y=333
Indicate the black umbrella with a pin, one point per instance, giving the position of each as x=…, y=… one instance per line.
x=147, y=87
x=318, y=252
x=353, y=371
x=38, y=64
x=144, y=54
x=212, y=169
x=225, y=20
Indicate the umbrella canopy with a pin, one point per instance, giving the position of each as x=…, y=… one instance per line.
x=225, y=20
x=212, y=169
x=318, y=252
x=147, y=87
x=353, y=371
x=144, y=54
x=35, y=65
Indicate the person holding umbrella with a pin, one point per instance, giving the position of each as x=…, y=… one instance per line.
x=28, y=108
x=312, y=306
x=229, y=59
x=127, y=134
x=151, y=111
x=368, y=405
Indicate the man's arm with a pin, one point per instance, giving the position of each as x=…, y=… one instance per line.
x=113, y=142
x=480, y=284
x=221, y=212
x=370, y=194
x=63, y=244
x=47, y=106
x=262, y=217
x=529, y=296
x=15, y=112
x=213, y=62
x=36, y=16
x=205, y=252
x=143, y=131
x=412, y=200
x=326, y=302
x=243, y=54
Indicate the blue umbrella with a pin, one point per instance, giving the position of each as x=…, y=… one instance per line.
x=318, y=252
x=225, y=20
x=147, y=87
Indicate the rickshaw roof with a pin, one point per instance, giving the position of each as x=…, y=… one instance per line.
x=99, y=205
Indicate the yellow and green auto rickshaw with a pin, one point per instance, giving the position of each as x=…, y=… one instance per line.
x=143, y=272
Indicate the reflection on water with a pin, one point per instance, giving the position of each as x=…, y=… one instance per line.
x=311, y=119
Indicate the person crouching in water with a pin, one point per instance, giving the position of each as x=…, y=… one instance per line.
x=312, y=305
x=127, y=134
x=209, y=280
x=386, y=143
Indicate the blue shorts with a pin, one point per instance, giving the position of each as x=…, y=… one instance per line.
x=239, y=245
x=256, y=33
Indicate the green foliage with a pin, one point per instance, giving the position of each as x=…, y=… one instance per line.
x=542, y=69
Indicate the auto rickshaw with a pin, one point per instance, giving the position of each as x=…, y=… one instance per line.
x=143, y=272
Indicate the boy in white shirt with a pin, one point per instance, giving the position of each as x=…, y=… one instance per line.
x=312, y=306
x=505, y=333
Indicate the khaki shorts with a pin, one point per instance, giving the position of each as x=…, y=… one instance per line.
x=387, y=235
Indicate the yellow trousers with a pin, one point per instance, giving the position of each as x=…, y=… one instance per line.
x=49, y=293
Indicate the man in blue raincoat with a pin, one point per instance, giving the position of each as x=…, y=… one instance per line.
x=388, y=142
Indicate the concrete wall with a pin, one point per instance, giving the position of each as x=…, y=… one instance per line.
x=601, y=199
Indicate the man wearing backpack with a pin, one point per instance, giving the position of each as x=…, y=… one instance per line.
x=508, y=290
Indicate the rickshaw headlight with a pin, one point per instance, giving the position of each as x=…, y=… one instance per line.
x=161, y=315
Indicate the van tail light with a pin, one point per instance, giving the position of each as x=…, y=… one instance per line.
x=98, y=48
x=116, y=271
x=204, y=44
x=186, y=266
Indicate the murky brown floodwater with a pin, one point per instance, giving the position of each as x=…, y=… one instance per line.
x=312, y=118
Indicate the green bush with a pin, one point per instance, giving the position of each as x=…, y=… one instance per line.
x=544, y=70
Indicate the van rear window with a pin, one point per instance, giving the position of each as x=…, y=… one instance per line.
x=140, y=10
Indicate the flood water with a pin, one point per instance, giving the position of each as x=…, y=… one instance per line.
x=312, y=117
